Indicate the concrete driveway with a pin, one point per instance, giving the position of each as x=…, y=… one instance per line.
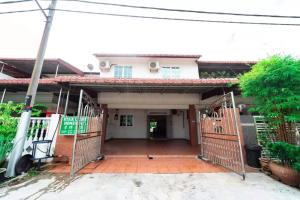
x=152, y=186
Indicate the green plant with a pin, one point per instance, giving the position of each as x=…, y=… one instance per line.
x=5, y=147
x=33, y=172
x=219, y=74
x=287, y=154
x=8, y=128
x=38, y=109
x=264, y=138
x=274, y=84
x=9, y=113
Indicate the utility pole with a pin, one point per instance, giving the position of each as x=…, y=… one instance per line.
x=31, y=94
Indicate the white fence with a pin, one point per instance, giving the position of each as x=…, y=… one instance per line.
x=42, y=128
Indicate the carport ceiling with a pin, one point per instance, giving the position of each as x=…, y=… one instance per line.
x=145, y=88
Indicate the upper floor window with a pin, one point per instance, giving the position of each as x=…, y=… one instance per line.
x=123, y=72
x=171, y=72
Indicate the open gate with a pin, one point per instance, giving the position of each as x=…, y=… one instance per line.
x=87, y=139
x=221, y=135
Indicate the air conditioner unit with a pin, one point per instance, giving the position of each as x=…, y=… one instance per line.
x=104, y=65
x=154, y=66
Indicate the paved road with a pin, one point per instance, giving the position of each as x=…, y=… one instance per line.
x=152, y=186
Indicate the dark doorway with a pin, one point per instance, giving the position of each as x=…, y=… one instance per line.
x=157, y=126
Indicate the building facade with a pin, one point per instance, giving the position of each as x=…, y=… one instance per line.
x=143, y=96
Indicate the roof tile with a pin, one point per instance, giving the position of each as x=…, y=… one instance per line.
x=114, y=81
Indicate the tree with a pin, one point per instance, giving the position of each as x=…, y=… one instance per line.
x=274, y=84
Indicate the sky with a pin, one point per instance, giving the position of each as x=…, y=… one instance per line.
x=76, y=37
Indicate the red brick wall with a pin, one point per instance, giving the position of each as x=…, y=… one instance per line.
x=64, y=146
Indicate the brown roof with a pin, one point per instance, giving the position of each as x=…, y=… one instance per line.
x=13, y=71
x=114, y=81
x=148, y=55
x=25, y=81
x=26, y=65
x=226, y=62
x=140, y=81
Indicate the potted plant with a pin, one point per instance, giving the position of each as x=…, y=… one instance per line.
x=285, y=162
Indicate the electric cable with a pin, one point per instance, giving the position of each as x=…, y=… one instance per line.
x=181, y=10
x=177, y=19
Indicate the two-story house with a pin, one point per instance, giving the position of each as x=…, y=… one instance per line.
x=145, y=96
x=155, y=97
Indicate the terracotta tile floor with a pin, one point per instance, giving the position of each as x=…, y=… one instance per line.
x=130, y=156
x=144, y=165
x=144, y=147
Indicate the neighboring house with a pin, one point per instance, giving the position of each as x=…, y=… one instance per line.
x=15, y=75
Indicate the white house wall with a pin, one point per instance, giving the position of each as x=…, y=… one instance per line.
x=188, y=67
x=148, y=100
x=180, y=125
x=177, y=125
x=138, y=130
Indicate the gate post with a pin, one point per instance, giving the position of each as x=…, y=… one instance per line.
x=239, y=135
x=104, y=124
x=192, y=125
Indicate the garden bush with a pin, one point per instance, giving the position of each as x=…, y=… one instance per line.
x=286, y=154
x=274, y=84
x=9, y=113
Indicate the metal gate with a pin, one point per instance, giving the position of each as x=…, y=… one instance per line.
x=87, y=139
x=221, y=138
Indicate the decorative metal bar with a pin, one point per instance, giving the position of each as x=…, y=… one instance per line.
x=87, y=143
x=221, y=136
x=3, y=96
x=58, y=103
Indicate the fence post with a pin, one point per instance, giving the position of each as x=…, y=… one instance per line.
x=53, y=130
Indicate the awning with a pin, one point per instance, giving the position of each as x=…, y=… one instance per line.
x=25, y=65
x=97, y=84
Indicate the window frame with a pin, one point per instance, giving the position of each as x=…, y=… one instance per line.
x=126, y=120
x=122, y=71
x=171, y=72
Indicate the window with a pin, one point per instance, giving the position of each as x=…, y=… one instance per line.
x=170, y=72
x=123, y=72
x=126, y=120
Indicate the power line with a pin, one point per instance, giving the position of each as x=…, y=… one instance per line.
x=19, y=11
x=178, y=19
x=16, y=1
x=158, y=18
x=181, y=10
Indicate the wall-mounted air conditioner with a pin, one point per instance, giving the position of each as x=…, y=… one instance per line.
x=153, y=66
x=104, y=65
